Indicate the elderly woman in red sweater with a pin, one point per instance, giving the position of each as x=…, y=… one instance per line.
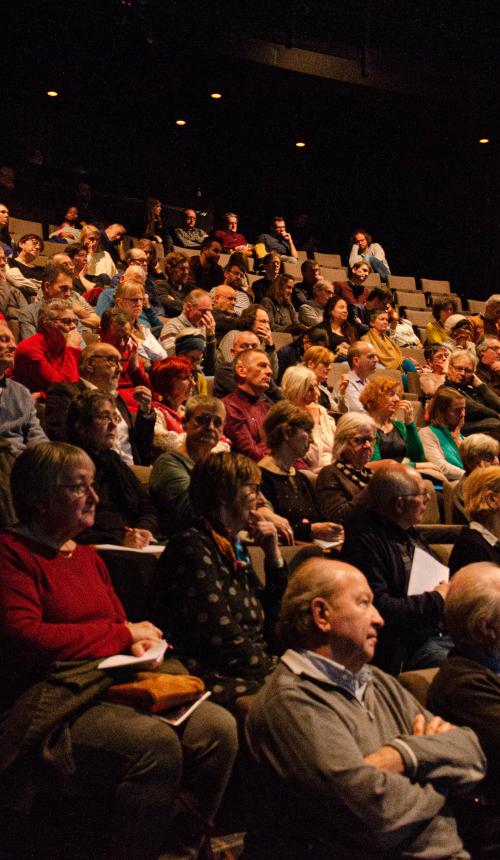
x=57, y=603
x=53, y=354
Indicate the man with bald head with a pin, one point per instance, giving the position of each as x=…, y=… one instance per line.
x=381, y=540
x=224, y=302
x=225, y=380
x=348, y=764
x=467, y=686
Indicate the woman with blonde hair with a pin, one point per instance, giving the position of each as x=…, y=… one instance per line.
x=299, y=386
x=481, y=540
x=278, y=304
x=319, y=359
x=396, y=440
x=99, y=262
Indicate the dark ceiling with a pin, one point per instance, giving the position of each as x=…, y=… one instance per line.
x=391, y=119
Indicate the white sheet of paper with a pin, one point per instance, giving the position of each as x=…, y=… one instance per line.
x=426, y=573
x=119, y=660
x=153, y=548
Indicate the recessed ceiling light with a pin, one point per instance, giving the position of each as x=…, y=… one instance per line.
x=52, y=93
x=484, y=140
x=180, y=122
x=300, y=144
x=215, y=95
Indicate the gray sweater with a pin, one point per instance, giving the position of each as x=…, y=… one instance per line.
x=310, y=738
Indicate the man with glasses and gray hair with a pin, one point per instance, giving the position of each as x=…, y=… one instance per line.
x=488, y=368
x=381, y=540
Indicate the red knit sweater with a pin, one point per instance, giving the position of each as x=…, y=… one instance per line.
x=44, y=358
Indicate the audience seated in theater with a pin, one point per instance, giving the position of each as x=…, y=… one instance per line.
x=401, y=330
x=233, y=277
x=489, y=321
x=359, y=314
x=396, y=440
x=116, y=329
x=222, y=640
x=460, y=333
x=99, y=261
x=191, y=344
x=342, y=482
x=22, y=272
x=479, y=541
x=303, y=291
x=155, y=228
x=364, y=248
x=130, y=297
x=434, y=372
x=172, y=383
x=224, y=379
x=488, y=367
x=100, y=369
x=203, y=422
x=335, y=322
x=441, y=439
x=171, y=291
x=247, y=406
x=69, y=230
x=319, y=359
x=196, y=313
x=136, y=271
x=205, y=270
x=466, y=689
x=299, y=386
x=6, y=243
x=377, y=790
x=481, y=403
x=256, y=319
x=476, y=452
x=362, y=360
x=381, y=539
x=124, y=513
x=292, y=353
x=353, y=290
x=57, y=283
x=229, y=237
x=112, y=242
x=311, y=312
x=189, y=235
x=278, y=304
x=288, y=432
x=271, y=264
x=51, y=355
x=58, y=605
x=435, y=331
x=279, y=240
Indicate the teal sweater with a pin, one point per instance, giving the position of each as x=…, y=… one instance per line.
x=409, y=435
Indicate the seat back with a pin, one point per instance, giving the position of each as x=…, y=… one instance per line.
x=332, y=261
x=448, y=490
x=281, y=338
x=420, y=318
x=401, y=282
x=418, y=683
x=293, y=269
x=410, y=300
x=18, y=227
x=431, y=286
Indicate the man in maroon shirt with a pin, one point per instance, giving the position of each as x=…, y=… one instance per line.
x=247, y=406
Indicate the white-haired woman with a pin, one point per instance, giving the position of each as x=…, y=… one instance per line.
x=299, y=385
x=339, y=484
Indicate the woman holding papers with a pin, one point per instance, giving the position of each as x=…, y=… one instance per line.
x=59, y=616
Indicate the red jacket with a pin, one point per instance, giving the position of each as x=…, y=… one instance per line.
x=44, y=358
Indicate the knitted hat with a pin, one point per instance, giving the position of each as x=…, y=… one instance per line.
x=456, y=321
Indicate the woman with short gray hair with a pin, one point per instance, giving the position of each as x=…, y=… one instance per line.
x=340, y=484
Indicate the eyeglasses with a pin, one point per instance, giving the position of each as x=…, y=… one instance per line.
x=360, y=440
x=206, y=419
x=65, y=320
x=109, y=359
x=134, y=301
x=424, y=495
x=80, y=490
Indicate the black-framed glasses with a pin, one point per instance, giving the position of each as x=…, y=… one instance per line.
x=206, y=419
x=360, y=440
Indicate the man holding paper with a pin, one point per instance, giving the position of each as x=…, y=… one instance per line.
x=381, y=541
